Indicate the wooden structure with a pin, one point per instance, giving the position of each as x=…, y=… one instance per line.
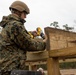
x=60, y=45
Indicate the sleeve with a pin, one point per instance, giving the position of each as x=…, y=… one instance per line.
x=21, y=37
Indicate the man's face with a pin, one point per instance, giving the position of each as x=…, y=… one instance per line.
x=23, y=15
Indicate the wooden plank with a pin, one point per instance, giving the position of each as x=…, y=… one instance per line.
x=48, y=47
x=58, y=38
x=71, y=51
x=53, y=66
x=66, y=52
x=67, y=60
x=45, y=61
x=37, y=56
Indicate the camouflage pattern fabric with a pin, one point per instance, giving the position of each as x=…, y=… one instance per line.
x=15, y=43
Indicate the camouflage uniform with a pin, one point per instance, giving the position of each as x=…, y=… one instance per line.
x=15, y=43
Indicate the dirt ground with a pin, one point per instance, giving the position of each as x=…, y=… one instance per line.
x=66, y=72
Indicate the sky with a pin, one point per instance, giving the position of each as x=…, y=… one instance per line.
x=45, y=12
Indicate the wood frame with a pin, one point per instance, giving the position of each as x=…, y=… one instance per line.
x=64, y=48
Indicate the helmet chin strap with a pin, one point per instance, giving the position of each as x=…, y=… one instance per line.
x=14, y=11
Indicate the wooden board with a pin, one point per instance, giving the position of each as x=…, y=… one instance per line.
x=37, y=56
x=58, y=39
x=66, y=52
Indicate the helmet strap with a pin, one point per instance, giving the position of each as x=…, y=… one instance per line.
x=14, y=11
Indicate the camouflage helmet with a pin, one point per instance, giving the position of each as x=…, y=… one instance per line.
x=20, y=6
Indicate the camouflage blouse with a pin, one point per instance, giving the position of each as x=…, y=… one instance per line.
x=15, y=42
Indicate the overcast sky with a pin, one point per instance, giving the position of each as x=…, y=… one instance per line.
x=44, y=12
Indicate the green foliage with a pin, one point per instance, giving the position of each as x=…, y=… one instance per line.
x=0, y=29
x=64, y=65
x=68, y=65
x=54, y=24
x=66, y=27
x=44, y=66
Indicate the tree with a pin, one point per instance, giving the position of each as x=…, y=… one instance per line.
x=66, y=27
x=54, y=24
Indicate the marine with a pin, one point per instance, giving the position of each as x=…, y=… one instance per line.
x=15, y=39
